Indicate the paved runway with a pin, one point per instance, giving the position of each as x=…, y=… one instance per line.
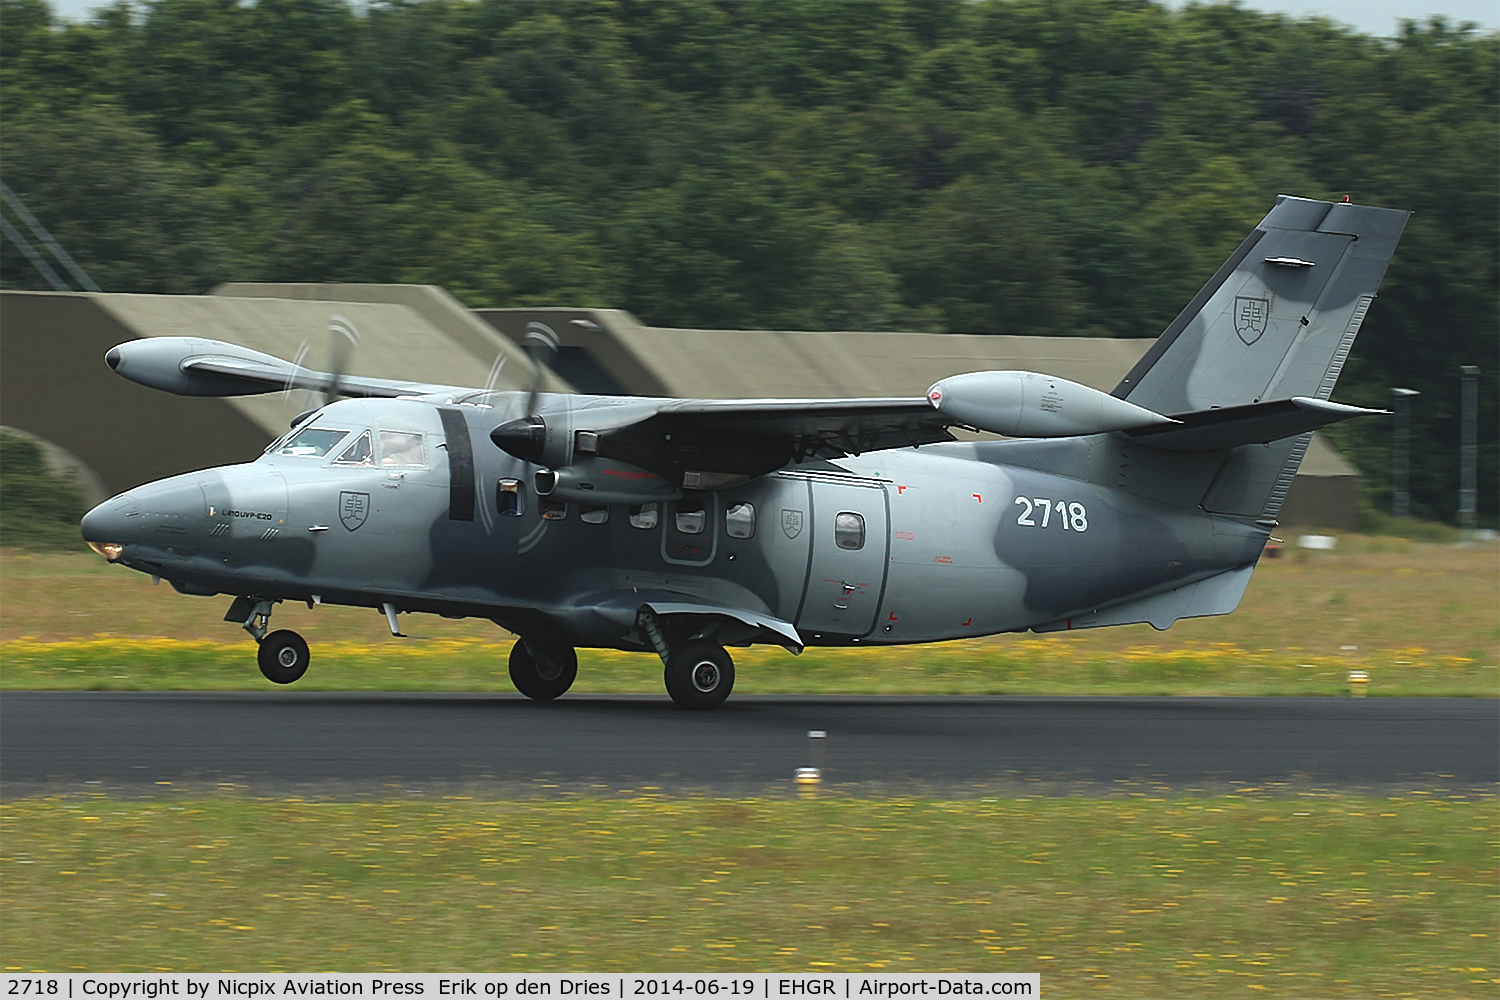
x=281, y=737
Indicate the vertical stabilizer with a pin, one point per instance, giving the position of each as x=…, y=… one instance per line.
x=1276, y=322
x=1278, y=318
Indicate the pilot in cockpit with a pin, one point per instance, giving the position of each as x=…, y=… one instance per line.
x=401, y=449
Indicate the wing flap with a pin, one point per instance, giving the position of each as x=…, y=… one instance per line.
x=753, y=436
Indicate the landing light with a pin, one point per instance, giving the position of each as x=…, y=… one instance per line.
x=109, y=550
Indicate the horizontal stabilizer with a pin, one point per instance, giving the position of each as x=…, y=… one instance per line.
x=1256, y=423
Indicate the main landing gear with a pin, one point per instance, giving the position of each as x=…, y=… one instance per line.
x=540, y=671
x=699, y=674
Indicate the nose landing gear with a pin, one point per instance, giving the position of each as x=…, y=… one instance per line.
x=283, y=656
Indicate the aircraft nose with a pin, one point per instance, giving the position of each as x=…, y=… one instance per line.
x=107, y=529
x=137, y=515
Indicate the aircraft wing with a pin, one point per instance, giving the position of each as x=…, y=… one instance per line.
x=194, y=366
x=274, y=378
x=712, y=443
x=817, y=428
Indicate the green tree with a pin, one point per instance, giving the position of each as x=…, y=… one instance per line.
x=1016, y=166
x=129, y=215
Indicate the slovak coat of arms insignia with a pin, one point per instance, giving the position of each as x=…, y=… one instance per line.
x=353, y=509
x=791, y=522
x=1251, y=317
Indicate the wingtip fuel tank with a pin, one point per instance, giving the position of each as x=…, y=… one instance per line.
x=1026, y=404
x=193, y=366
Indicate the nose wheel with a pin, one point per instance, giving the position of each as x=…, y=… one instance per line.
x=283, y=656
x=699, y=674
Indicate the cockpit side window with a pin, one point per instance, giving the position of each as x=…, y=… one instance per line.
x=401, y=449
x=313, y=442
x=358, y=453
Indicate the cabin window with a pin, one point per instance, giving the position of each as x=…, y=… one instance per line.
x=691, y=517
x=401, y=450
x=509, y=499
x=739, y=521
x=645, y=516
x=553, y=510
x=312, y=441
x=849, y=530
x=691, y=530
x=358, y=453
x=590, y=514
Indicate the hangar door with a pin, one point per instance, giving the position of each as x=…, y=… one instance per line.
x=846, y=575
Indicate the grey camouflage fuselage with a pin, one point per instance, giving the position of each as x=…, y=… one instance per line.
x=958, y=540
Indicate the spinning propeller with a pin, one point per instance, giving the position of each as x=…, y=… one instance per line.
x=327, y=385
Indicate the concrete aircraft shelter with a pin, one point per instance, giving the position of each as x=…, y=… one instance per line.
x=54, y=383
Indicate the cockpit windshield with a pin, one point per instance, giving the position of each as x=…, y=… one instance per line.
x=314, y=442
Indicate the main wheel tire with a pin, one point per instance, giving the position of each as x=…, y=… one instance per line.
x=283, y=656
x=542, y=672
x=699, y=674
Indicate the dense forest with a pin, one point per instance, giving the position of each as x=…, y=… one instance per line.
x=1057, y=167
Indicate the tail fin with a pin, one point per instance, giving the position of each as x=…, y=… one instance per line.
x=1278, y=318
x=1276, y=322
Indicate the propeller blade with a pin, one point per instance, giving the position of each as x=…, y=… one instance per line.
x=494, y=377
x=540, y=342
x=345, y=339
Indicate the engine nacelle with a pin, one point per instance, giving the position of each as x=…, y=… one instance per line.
x=603, y=481
x=167, y=363
x=1025, y=404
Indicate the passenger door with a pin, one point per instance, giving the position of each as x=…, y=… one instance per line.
x=850, y=542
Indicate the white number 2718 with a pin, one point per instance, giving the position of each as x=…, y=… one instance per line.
x=1070, y=516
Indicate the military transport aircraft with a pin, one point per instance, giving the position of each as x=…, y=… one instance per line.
x=681, y=526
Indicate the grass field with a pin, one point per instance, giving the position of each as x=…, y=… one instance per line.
x=1419, y=618
x=1149, y=892
x=1142, y=894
